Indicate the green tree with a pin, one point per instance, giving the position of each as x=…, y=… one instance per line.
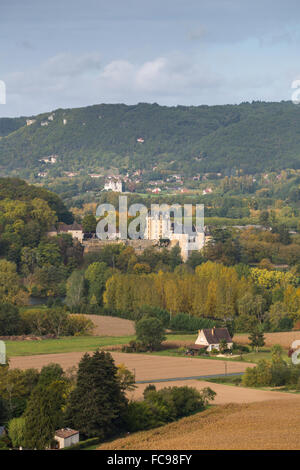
x=150, y=332
x=75, y=289
x=89, y=223
x=16, y=431
x=96, y=275
x=256, y=338
x=9, y=320
x=44, y=414
x=97, y=402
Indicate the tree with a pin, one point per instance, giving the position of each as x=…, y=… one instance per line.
x=44, y=414
x=98, y=401
x=9, y=320
x=150, y=332
x=256, y=338
x=16, y=431
x=50, y=373
x=75, y=289
x=126, y=378
x=10, y=287
x=223, y=346
x=96, y=275
x=89, y=223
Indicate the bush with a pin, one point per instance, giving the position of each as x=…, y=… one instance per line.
x=258, y=376
x=55, y=321
x=165, y=405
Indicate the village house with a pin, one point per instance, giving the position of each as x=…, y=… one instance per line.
x=66, y=437
x=210, y=338
x=74, y=229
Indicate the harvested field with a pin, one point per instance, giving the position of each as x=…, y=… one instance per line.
x=111, y=326
x=285, y=339
x=225, y=393
x=231, y=427
x=146, y=366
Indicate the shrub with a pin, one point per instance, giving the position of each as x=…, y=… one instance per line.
x=258, y=376
x=165, y=405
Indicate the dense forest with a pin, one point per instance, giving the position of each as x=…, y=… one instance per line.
x=252, y=137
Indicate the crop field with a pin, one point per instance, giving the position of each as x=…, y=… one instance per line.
x=285, y=338
x=231, y=427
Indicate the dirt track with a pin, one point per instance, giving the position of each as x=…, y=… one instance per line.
x=111, y=326
x=145, y=366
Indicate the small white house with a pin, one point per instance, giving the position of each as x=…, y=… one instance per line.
x=66, y=437
x=211, y=338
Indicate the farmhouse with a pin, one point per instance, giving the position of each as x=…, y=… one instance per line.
x=66, y=437
x=212, y=337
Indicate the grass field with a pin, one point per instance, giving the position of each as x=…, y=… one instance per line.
x=62, y=345
x=230, y=427
x=72, y=344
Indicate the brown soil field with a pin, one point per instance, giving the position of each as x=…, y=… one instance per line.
x=225, y=393
x=145, y=366
x=285, y=339
x=111, y=326
x=265, y=425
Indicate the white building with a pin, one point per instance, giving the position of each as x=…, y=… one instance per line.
x=114, y=185
x=162, y=228
x=66, y=437
x=212, y=337
x=50, y=159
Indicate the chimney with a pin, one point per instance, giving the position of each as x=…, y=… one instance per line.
x=213, y=331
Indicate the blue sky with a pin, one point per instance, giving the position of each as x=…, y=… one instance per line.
x=72, y=53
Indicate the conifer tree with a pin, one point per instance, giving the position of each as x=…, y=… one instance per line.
x=97, y=402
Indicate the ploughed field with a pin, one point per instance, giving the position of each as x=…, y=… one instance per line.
x=111, y=326
x=145, y=366
x=263, y=425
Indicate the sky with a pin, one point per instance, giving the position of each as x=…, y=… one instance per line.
x=71, y=53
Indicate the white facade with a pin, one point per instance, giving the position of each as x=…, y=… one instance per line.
x=202, y=341
x=66, y=441
x=116, y=186
x=160, y=227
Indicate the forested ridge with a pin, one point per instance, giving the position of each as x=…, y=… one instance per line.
x=254, y=137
